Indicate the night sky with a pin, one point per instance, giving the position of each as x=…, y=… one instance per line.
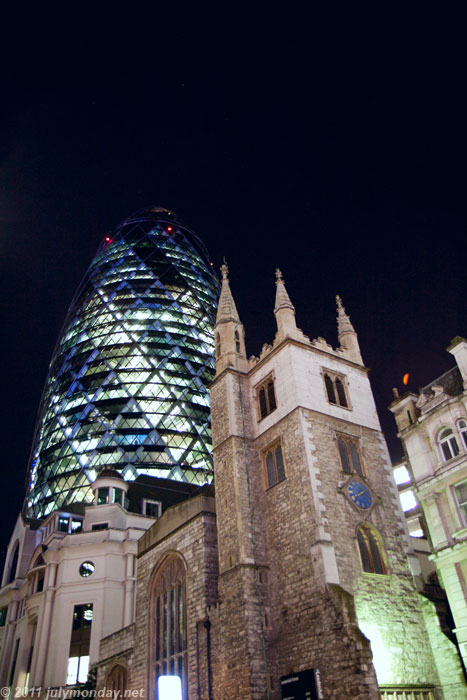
x=333, y=150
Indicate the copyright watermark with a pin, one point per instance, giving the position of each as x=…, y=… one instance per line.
x=69, y=693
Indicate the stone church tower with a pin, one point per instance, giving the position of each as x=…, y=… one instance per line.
x=292, y=579
x=313, y=565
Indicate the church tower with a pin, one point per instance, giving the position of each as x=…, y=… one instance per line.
x=315, y=586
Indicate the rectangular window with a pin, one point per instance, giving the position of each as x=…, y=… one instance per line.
x=275, y=470
x=266, y=398
x=153, y=509
x=3, y=614
x=78, y=660
x=100, y=526
x=349, y=455
x=461, y=494
x=102, y=496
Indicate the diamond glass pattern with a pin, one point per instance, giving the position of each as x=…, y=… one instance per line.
x=127, y=385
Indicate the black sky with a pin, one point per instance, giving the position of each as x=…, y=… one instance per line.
x=333, y=148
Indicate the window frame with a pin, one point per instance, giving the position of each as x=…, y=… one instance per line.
x=462, y=430
x=367, y=530
x=150, y=501
x=447, y=441
x=279, y=473
x=168, y=640
x=349, y=440
x=330, y=378
x=460, y=504
x=264, y=386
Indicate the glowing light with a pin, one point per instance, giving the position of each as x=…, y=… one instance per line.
x=108, y=239
x=401, y=475
x=405, y=379
x=169, y=228
x=169, y=687
x=408, y=500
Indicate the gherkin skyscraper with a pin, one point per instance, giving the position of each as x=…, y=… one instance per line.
x=127, y=384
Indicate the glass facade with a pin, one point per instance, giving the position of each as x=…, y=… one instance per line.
x=127, y=385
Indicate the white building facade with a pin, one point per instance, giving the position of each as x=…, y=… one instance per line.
x=433, y=428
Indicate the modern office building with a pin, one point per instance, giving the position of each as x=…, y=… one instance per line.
x=127, y=385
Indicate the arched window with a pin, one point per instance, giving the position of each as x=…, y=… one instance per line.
x=329, y=389
x=13, y=564
x=117, y=681
x=266, y=398
x=335, y=386
x=218, y=345
x=371, y=549
x=237, y=342
x=169, y=638
x=341, y=393
x=448, y=444
x=350, y=455
x=462, y=427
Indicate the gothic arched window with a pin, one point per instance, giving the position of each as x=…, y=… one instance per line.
x=117, y=681
x=371, y=549
x=448, y=444
x=341, y=393
x=266, y=398
x=168, y=611
x=329, y=389
x=336, y=389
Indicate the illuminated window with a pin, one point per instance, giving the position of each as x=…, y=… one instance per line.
x=371, y=549
x=275, y=471
x=401, y=475
x=266, y=398
x=448, y=444
x=349, y=455
x=408, y=500
x=69, y=524
x=169, y=637
x=117, y=681
x=335, y=386
x=461, y=494
x=78, y=659
x=462, y=426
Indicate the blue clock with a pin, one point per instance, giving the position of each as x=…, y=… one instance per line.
x=359, y=494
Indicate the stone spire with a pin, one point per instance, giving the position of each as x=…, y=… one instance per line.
x=284, y=312
x=226, y=310
x=229, y=332
x=348, y=338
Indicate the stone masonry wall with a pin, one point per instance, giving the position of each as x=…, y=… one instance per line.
x=196, y=542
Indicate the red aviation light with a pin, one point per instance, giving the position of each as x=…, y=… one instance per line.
x=169, y=229
x=108, y=239
x=405, y=379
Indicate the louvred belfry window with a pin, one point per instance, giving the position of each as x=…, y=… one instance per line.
x=266, y=398
x=336, y=390
x=169, y=639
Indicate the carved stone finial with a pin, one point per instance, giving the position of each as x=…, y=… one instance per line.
x=279, y=277
x=225, y=271
x=339, y=302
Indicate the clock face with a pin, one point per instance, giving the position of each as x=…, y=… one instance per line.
x=359, y=494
